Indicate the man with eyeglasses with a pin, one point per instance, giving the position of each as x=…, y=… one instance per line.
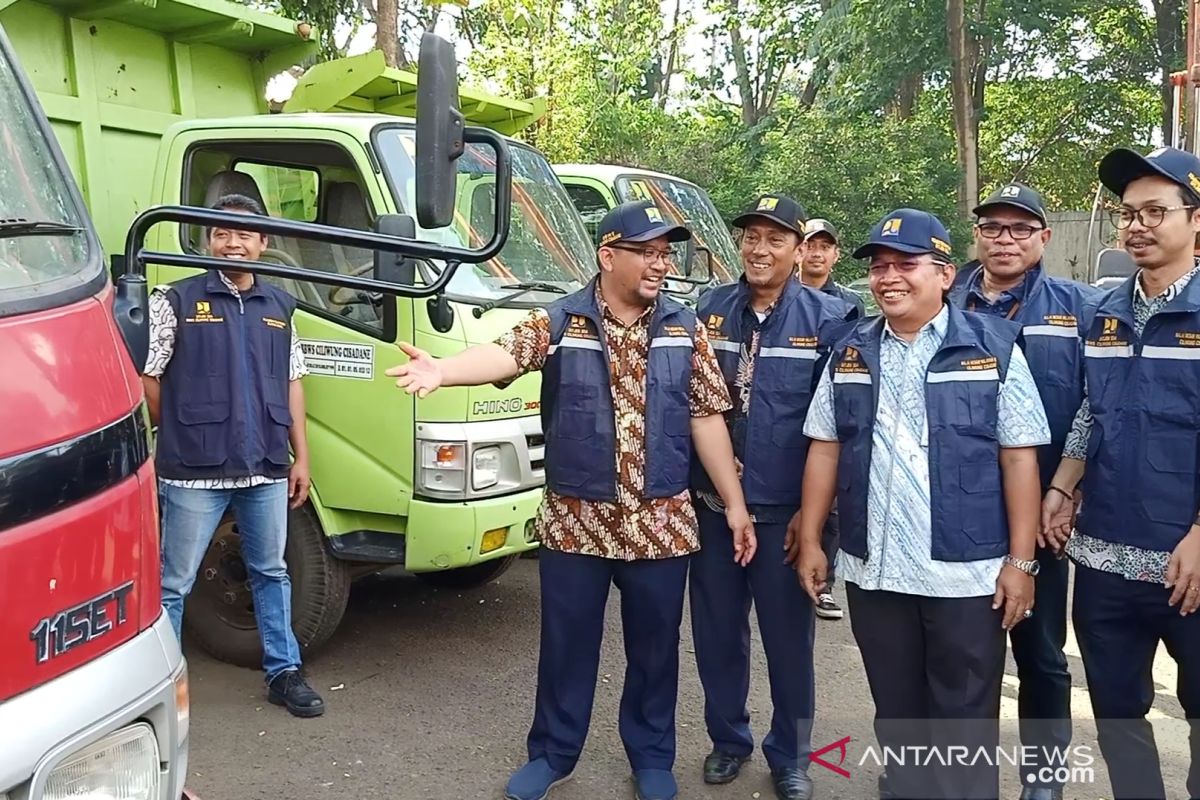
x=769, y=333
x=1011, y=234
x=1136, y=446
x=629, y=385
x=925, y=427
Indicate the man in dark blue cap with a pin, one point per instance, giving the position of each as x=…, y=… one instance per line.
x=1136, y=446
x=925, y=427
x=629, y=384
x=1011, y=233
x=770, y=333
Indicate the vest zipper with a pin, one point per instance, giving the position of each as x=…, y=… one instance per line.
x=242, y=347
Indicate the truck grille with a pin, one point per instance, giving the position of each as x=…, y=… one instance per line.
x=536, y=443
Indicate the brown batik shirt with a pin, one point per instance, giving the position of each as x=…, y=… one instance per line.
x=634, y=527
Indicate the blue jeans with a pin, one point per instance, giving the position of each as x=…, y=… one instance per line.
x=189, y=520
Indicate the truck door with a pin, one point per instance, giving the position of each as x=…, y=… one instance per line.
x=355, y=421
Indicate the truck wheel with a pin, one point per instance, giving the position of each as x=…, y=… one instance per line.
x=219, y=612
x=468, y=577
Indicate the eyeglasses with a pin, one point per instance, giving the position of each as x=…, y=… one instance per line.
x=880, y=268
x=1018, y=231
x=650, y=254
x=1148, y=216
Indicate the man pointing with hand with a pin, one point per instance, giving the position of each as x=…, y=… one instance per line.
x=629, y=383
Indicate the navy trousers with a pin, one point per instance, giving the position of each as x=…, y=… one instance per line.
x=1119, y=624
x=574, y=591
x=1044, y=697
x=721, y=593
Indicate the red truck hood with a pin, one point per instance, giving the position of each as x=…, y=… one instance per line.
x=75, y=539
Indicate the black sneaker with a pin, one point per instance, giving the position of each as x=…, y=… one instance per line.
x=827, y=608
x=291, y=690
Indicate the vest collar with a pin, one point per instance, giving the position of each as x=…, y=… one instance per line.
x=214, y=284
x=586, y=302
x=1024, y=291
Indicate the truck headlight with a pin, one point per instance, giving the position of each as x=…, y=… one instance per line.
x=485, y=467
x=122, y=765
x=443, y=467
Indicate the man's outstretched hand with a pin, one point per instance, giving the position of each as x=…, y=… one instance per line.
x=421, y=375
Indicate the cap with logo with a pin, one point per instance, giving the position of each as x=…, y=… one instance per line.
x=815, y=226
x=1122, y=166
x=777, y=208
x=1015, y=195
x=908, y=230
x=638, y=221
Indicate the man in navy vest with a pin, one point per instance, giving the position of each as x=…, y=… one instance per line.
x=819, y=256
x=629, y=383
x=925, y=427
x=1011, y=233
x=223, y=383
x=1135, y=444
x=769, y=332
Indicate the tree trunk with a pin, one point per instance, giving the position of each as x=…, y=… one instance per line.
x=664, y=89
x=1168, y=20
x=387, y=34
x=905, y=101
x=964, y=86
x=738, y=48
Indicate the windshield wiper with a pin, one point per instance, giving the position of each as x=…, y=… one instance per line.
x=522, y=289
x=26, y=227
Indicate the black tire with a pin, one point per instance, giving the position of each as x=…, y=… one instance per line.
x=219, y=613
x=468, y=577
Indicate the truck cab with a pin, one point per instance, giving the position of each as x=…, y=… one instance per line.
x=597, y=188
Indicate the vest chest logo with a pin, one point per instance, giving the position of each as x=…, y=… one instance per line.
x=1109, y=330
x=979, y=364
x=578, y=327
x=1061, y=320
x=851, y=363
x=275, y=323
x=1188, y=338
x=203, y=313
x=674, y=330
x=803, y=341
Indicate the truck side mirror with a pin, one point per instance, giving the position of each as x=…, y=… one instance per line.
x=131, y=312
x=439, y=132
x=394, y=267
x=697, y=268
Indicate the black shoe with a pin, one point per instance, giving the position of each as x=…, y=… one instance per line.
x=1041, y=793
x=722, y=768
x=792, y=783
x=291, y=690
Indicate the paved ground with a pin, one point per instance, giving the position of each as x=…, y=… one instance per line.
x=429, y=695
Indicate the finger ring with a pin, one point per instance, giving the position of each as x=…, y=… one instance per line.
x=1028, y=613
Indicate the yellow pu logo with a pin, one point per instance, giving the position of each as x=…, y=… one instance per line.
x=768, y=204
x=892, y=227
x=1110, y=326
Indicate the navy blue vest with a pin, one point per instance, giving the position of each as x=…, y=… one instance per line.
x=1050, y=315
x=1142, y=483
x=968, y=512
x=793, y=339
x=224, y=411
x=578, y=418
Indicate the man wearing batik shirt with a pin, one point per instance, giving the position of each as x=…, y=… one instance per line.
x=629, y=383
x=1133, y=450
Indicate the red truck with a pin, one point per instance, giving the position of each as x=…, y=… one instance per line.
x=93, y=685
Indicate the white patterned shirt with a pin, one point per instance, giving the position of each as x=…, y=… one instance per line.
x=163, y=325
x=899, y=520
x=1129, y=561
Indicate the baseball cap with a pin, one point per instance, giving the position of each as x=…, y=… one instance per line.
x=637, y=221
x=908, y=231
x=815, y=226
x=1123, y=166
x=779, y=209
x=1016, y=195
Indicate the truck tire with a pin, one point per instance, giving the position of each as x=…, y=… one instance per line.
x=468, y=577
x=219, y=613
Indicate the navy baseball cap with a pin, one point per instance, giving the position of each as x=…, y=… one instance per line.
x=1123, y=166
x=777, y=208
x=638, y=221
x=908, y=230
x=1016, y=195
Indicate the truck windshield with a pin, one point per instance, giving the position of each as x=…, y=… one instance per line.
x=689, y=205
x=44, y=247
x=547, y=242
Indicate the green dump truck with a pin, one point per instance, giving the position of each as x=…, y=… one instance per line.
x=162, y=102
x=596, y=188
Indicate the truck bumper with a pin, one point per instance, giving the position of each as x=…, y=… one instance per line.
x=144, y=681
x=450, y=535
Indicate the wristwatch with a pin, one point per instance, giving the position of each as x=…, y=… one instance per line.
x=1028, y=567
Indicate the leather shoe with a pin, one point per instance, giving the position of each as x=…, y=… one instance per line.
x=654, y=784
x=289, y=689
x=792, y=783
x=534, y=781
x=1041, y=793
x=722, y=768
